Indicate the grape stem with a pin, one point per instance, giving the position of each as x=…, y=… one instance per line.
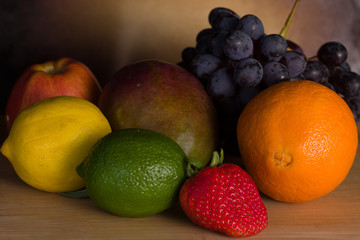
x=285, y=29
x=311, y=58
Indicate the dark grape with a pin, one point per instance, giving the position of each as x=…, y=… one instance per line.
x=294, y=47
x=298, y=77
x=203, y=46
x=219, y=10
x=248, y=72
x=220, y=84
x=188, y=54
x=346, y=83
x=252, y=26
x=235, y=60
x=295, y=62
x=206, y=33
x=225, y=23
x=229, y=110
x=244, y=96
x=271, y=48
x=345, y=66
x=217, y=44
x=223, y=19
x=329, y=85
x=274, y=72
x=238, y=45
x=204, y=64
x=354, y=104
x=332, y=54
x=316, y=71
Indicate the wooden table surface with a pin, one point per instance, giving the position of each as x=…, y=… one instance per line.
x=27, y=213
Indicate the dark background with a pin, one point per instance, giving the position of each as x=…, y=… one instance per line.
x=108, y=34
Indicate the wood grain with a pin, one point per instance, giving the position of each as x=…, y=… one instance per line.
x=27, y=213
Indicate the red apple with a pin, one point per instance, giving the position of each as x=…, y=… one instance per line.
x=64, y=77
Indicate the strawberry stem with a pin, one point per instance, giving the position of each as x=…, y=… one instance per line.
x=195, y=165
x=285, y=29
x=217, y=159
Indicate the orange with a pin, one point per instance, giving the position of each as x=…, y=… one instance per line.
x=297, y=140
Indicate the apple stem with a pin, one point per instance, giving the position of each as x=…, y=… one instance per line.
x=285, y=29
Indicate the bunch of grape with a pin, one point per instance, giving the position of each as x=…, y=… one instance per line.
x=235, y=60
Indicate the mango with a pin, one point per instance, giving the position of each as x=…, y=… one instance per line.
x=163, y=97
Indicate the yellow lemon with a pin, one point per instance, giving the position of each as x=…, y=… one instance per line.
x=50, y=138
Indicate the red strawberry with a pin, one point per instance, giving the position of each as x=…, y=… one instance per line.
x=224, y=199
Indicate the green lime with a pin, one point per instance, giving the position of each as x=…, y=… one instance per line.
x=134, y=172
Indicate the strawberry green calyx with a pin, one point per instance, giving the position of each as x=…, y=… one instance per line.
x=217, y=159
x=195, y=165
